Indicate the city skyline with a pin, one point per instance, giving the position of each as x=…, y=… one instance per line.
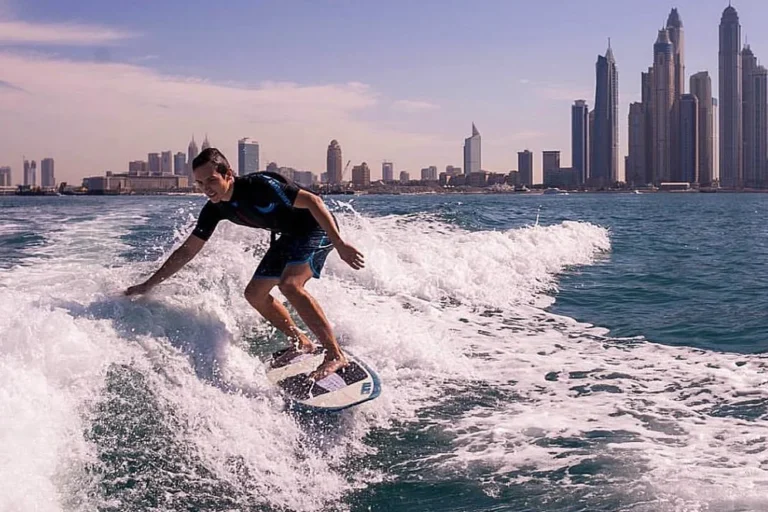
x=295, y=108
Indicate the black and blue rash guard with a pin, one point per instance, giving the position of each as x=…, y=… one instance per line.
x=260, y=200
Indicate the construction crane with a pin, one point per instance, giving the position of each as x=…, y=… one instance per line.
x=344, y=172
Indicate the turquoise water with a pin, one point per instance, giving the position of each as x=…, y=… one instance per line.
x=559, y=353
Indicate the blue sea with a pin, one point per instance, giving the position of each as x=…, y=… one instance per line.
x=588, y=352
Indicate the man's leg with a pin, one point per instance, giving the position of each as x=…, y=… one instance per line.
x=292, y=286
x=257, y=294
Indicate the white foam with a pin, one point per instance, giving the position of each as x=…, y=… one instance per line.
x=437, y=308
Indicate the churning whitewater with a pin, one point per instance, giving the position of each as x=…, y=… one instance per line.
x=161, y=402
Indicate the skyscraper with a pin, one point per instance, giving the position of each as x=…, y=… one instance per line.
x=646, y=85
x=663, y=99
x=753, y=133
x=635, y=165
x=760, y=91
x=387, y=171
x=154, y=163
x=6, y=179
x=47, y=178
x=166, y=162
x=675, y=31
x=206, y=144
x=192, y=152
x=748, y=66
x=525, y=167
x=604, y=168
x=730, y=91
x=472, y=152
x=689, y=138
x=247, y=156
x=580, y=140
x=30, y=173
x=716, y=140
x=591, y=138
x=180, y=164
x=701, y=87
x=333, y=163
x=550, y=165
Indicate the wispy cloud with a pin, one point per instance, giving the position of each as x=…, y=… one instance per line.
x=65, y=34
x=414, y=106
x=9, y=86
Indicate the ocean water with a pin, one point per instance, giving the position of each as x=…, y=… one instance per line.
x=588, y=352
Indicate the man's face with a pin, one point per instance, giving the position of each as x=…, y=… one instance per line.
x=211, y=182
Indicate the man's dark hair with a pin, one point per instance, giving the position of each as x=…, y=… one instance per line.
x=214, y=156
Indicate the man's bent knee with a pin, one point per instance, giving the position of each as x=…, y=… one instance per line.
x=291, y=287
x=257, y=292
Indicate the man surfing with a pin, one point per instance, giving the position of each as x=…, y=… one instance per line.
x=308, y=233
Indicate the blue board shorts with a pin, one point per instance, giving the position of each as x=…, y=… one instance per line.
x=287, y=249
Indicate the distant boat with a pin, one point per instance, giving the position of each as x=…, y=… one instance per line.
x=636, y=192
x=555, y=191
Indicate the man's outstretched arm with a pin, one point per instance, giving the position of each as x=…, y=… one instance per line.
x=173, y=264
x=315, y=205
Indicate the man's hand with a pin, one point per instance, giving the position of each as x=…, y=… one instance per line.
x=139, y=289
x=350, y=255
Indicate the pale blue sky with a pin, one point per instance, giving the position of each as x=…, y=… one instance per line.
x=429, y=69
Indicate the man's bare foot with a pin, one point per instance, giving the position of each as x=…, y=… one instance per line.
x=302, y=345
x=328, y=367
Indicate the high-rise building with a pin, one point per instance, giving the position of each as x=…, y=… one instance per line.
x=429, y=173
x=166, y=162
x=387, y=171
x=730, y=91
x=675, y=31
x=192, y=152
x=646, y=85
x=180, y=164
x=206, y=143
x=701, y=87
x=6, y=179
x=580, y=140
x=635, y=162
x=716, y=140
x=749, y=165
x=472, y=152
x=30, y=173
x=525, y=167
x=247, y=156
x=47, y=178
x=405, y=177
x=155, y=164
x=689, y=138
x=361, y=175
x=550, y=165
x=604, y=168
x=663, y=102
x=333, y=163
x=450, y=170
x=754, y=156
x=760, y=91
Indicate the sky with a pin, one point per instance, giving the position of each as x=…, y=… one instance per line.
x=96, y=84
